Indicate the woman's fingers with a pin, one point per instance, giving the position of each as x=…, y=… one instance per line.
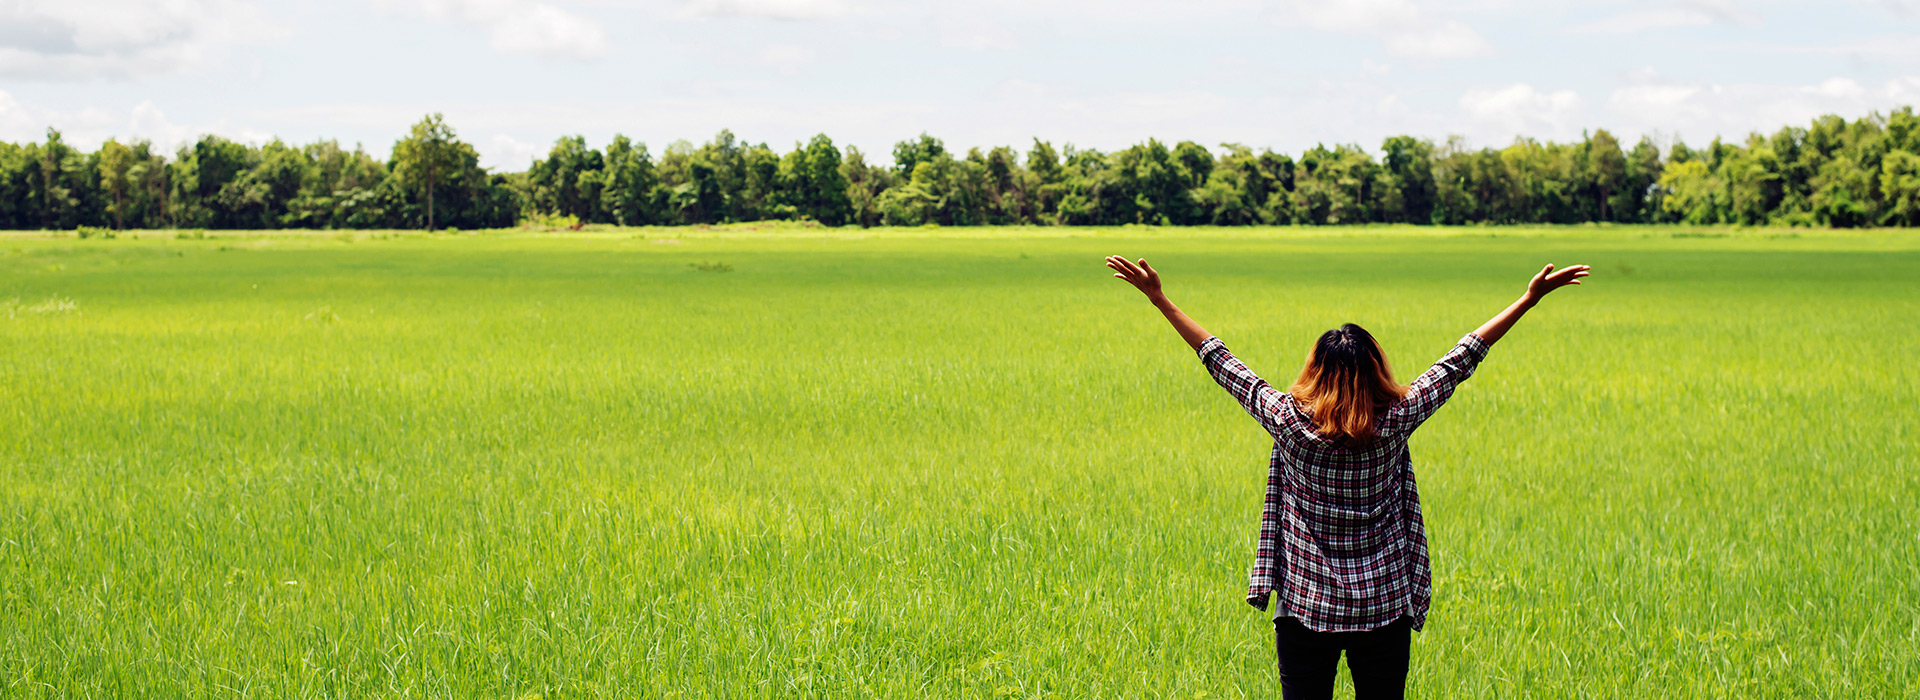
x=1574, y=272
x=1125, y=270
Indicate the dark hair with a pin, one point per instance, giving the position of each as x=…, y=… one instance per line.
x=1346, y=384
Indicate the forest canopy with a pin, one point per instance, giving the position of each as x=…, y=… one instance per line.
x=1831, y=172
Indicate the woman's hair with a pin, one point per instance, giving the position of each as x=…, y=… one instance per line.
x=1346, y=384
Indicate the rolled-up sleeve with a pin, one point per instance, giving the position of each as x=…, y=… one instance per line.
x=1259, y=399
x=1432, y=389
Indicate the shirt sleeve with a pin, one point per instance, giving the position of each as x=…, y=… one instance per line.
x=1260, y=400
x=1432, y=389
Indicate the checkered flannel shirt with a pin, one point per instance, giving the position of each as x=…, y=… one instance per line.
x=1342, y=546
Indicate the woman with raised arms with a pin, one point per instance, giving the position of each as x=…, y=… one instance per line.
x=1342, y=552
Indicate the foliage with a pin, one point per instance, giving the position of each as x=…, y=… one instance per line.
x=1831, y=173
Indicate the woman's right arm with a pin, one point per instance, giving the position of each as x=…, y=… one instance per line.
x=1260, y=399
x=1146, y=279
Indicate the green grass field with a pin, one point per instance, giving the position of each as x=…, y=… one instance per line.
x=930, y=463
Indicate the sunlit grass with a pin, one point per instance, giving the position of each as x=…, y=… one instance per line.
x=941, y=463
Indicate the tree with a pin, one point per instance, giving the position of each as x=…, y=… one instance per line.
x=819, y=185
x=908, y=155
x=568, y=181
x=630, y=181
x=1843, y=194
x=1196, y=162
x=864, y=185
x=51, y=191
x=1753, y=182
x=1692, y=194
x=1409, y=165
x=1049, y=182
x=1337, y=186
x=116, y=163
x=423, y=157
x=149, y=178
x=1900, y=184
x=1606, y=169
x=1637, y=198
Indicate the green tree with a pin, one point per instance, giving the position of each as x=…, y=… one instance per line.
x=1635, y=199
x=1335, y=186
x=1606, y=171
x=1691, y=193
x=423, y=158
x=820, y=185
x=116, y=166
x=1900, y=185
x=864, y=185
x=568, y=181
x=1753, y=183
x=1049, y=182
x=1409, y=166
x=630, y=182
x=908, y=155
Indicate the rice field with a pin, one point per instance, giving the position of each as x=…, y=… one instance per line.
x=802, y=463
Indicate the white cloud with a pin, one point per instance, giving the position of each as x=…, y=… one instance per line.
x=92, y=39
x=1838, y=88
x=1645, y=20
x=508, y=154
x=1401, y=25
x=1726, y=11
x=87, y=128
x=1891, y=49
x=1521, y=110
x=1700, y=112
x=766, y=9
x=971, y=30
x=1443, y=39
x=786, y=58
x=524, y=26
x=1691, y=13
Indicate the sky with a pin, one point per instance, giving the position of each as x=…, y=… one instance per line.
x=513, y=75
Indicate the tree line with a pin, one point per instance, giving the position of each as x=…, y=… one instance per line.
x=1830, y=173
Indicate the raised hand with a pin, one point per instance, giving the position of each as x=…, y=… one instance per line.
x=1550, y=279
x=1141, y=275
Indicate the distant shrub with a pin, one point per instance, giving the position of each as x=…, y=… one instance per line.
x=192, y=235
x=94, y=232
x=552, y=222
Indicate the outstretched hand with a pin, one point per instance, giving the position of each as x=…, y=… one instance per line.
x=1144, y=278
x=1550, y=279
x=1141, y=275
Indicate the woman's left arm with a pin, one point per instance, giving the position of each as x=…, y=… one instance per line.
x=1542, y=284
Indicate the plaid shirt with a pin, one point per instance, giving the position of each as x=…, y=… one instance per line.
x=1341, y=543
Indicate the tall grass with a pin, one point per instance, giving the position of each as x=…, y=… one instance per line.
x=938, y=464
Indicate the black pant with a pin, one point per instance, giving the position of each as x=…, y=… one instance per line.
x=1377, y=659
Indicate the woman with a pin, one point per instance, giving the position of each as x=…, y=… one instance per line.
x=1342, y=549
